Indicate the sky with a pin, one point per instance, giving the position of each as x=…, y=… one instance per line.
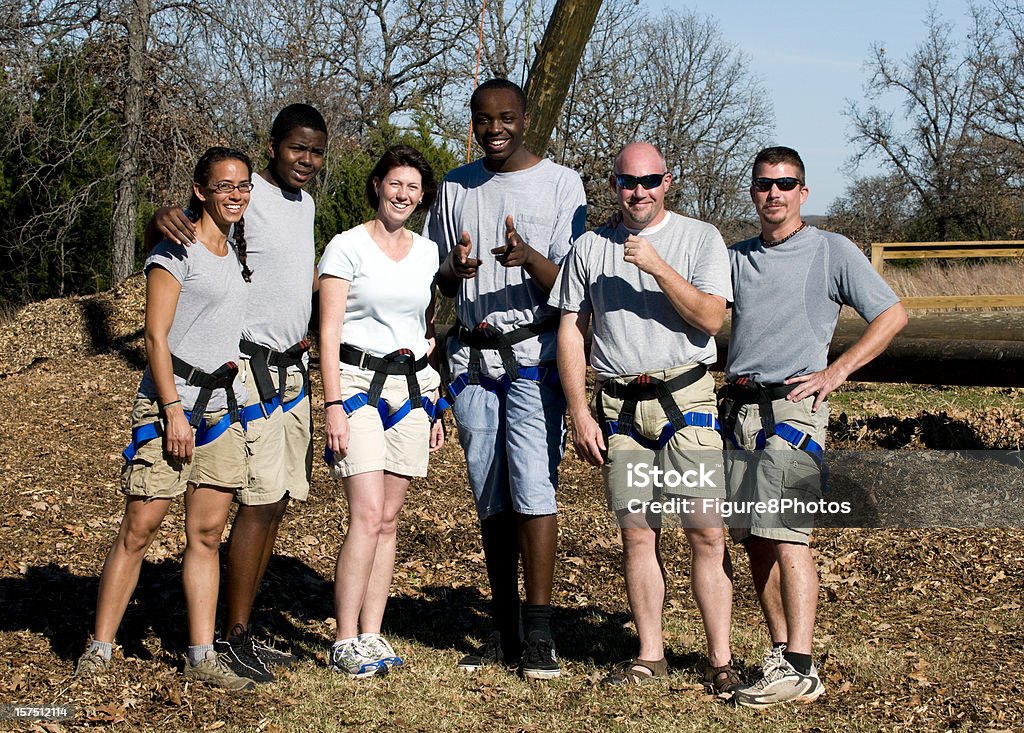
x=809, y=55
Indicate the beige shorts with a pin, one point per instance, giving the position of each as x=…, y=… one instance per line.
x=279, y=448
x=689, y=464
x=155, y=475
x=759, y=480
x=404, y=448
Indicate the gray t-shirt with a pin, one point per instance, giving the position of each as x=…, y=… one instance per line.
x=549, y=209
x=208, y=318
x=280, y=252
x=787, y=300
x=636, y=328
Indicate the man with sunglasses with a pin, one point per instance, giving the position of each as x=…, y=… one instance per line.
x=656, y=287
x=789, y=284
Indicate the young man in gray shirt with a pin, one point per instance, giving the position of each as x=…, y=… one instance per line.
x=789, y=284
x=502, y=224
x=656, y=287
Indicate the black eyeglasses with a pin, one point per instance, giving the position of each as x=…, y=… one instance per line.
x=787, y=183
x=225, y=187
x=628, y=182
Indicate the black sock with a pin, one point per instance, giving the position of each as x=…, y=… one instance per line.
x=501, y=553
x=537, y=621
x=801, y=662
x=778, y=644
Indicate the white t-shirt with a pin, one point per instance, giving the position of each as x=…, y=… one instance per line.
x=387, y=300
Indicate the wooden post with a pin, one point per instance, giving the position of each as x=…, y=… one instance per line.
x=555, y=65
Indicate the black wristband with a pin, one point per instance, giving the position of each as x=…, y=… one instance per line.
x=332, y=403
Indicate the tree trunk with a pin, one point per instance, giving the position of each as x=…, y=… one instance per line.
x=555, y=66
x=126, y=197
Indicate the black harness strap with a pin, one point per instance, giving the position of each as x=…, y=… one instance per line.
x=397, y=362
x=736, y=394
x=262, y=358
x=222, y=378
x=646, y=387
x=486, y=337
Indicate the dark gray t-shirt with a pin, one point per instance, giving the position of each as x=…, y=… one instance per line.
x=208, y=318
x=786, y=301
x=636, y=328
x=549, y=209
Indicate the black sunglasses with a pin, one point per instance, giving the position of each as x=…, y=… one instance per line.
x=788, y=183
x=628, y=182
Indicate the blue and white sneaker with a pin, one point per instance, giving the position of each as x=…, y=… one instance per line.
x=351, y=659
x=377, y=647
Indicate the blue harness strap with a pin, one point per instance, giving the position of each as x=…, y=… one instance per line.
x=388, y=419
x=693, y=419
x=540, y=374
x=205, y=433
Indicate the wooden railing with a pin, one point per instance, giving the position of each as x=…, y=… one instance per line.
x=882, y=251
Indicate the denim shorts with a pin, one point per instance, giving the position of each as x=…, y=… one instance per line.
x=513, y=446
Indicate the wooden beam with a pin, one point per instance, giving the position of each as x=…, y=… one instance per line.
x=555, y=66
x=958, y=302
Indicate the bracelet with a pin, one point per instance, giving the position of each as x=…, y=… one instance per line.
x=333, y=403
x=169, y=404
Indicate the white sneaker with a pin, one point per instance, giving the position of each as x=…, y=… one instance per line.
x=780, y=683
x=353, y=660
x=377, y=647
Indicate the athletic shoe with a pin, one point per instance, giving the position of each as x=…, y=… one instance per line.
x=353, y=660
x=486, y=656
x=213, y=670
x=539, y=660
x=781, y=683
x=92, y=664
x=272, y=656
x=240, y=655
x=378, y=647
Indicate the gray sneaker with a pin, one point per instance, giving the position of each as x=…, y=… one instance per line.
x=354, y=660
x=213, y=670
x=780, y=683
x=92, y=664
x=377, y=647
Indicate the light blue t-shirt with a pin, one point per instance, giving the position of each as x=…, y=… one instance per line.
x=787, y=298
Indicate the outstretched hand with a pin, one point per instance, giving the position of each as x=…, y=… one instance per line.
x=516, y=252
x=463, y=264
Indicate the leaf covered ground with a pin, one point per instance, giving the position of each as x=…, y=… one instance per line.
x=918, y=629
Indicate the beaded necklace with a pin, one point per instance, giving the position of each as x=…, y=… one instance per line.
x=786, y=238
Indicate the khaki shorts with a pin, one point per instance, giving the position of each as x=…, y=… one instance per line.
x=279, y=447
x=690, y=463
x=779, y=472
x=405, y=447
x=155, y=475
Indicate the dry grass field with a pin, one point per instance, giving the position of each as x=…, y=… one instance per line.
x=919, y=629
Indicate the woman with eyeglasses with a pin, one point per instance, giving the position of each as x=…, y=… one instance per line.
x=378, y=361
x=187, y=437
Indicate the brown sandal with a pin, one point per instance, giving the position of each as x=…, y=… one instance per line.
x=722, y=681
x=637, y=672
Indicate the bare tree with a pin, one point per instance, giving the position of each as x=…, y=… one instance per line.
x=933, y=145
x=696, y=99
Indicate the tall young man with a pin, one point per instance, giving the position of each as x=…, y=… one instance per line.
x=789, y=283
x=502, y=225
x=279, y=234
